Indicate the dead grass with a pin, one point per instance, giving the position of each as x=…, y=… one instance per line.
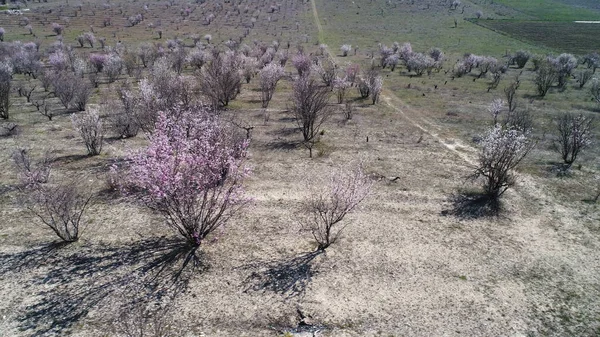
x=406, y=264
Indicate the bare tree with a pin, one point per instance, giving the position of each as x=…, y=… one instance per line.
x=60, y=207
x=89, y=126
x=348, y=110
x=574, y=134
x=511, y=95
x=5, y=79
x=310, y=109
x=326, y=70
x=65, y=87
x=220, y=80
x=82, y=94
x=595, y=90
x=330, y=201
x=32, y=172
x=502, y=150
x=43, y=108
x=518, y=119
x=520, y=58
x=545, y=77
x=583, y=76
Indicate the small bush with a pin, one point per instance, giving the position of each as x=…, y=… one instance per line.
x=330, y=200
x=574, y=134
x=31, y=173
x=502, y=150
x=61, y=208
x=89, y=126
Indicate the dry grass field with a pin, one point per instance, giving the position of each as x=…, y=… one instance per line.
x=414, y=259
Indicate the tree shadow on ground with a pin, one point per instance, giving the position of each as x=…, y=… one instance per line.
x=473, y=205
x=74, y=280
x=289, y=276
x=282, y=144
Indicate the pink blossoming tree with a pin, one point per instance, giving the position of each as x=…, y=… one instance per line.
x=191, y=172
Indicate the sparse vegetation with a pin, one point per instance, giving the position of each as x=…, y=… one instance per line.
x=177, y=100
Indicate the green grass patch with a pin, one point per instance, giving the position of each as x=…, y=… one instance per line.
x=552, y=10
x=577, y=38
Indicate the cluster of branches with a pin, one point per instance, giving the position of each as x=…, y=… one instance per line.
x=58, y=206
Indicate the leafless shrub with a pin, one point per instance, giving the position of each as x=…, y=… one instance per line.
x=520, y=58
x=348, y=110
x=60, y=207
x=65, y=87
x=89, y=126
x=518, y=119
x=574, y=133
x=326, y=70
x=310, y=109
x=595, y=90
x=82, y=94
x=583, y=76
x=330, y=200
x=510, y=93
x=501, y=151
x=5, y=79
x=46, y=80
x=546, y=75
x=220, y=80
x=43, y=107
x=31, y=173
x=124, y=120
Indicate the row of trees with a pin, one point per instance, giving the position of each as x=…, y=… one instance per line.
x=192, y=173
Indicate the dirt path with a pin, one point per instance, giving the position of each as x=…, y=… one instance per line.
x=465, y=152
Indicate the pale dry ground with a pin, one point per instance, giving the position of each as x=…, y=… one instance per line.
x=404, y=266
x=401, y=268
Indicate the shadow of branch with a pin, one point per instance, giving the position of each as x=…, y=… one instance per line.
x=473, y=205
x=288, y=277
x=75, y=280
